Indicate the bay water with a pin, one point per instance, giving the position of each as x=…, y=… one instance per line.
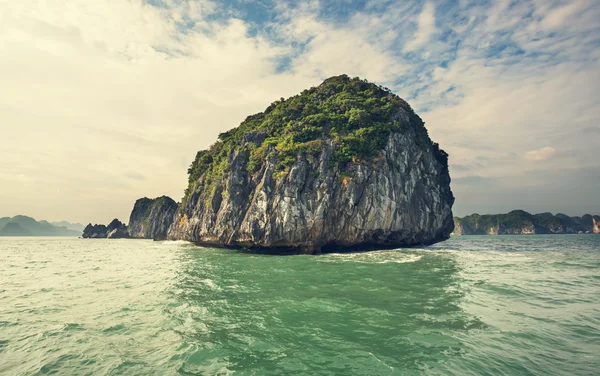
x=487, y=305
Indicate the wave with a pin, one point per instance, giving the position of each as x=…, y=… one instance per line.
x=176, y=242
x=375, y=257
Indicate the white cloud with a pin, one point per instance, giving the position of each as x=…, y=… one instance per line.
x=333, y=51
x=540, y=154
x=91, y=94
x=107, y=101
x=557, y=17
x=426, y=28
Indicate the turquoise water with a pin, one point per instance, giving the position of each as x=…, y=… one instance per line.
x=514, y=305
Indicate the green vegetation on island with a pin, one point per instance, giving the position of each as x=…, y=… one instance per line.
x=344, y=165
x=356, y=114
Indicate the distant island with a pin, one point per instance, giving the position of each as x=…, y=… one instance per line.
x=114, y=230
x=520, y=222
x=71, y=226
x=21, y=225
x=150, y=219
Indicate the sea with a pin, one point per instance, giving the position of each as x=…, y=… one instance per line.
x=473, y=305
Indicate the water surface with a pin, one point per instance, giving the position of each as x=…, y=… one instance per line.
x=512, y=305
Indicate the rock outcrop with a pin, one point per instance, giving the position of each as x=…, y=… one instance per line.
x=115, y=230
x=519, y=222
x=346, y=165
x=151, y=218
x=94, y=231
x=596, y=224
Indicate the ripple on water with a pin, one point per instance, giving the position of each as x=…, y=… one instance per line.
x=474, y=306
x=73, y=327
x=375, y=257
x=115, y=329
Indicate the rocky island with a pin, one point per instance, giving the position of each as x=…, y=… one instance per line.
x=520, y=222
x=345, y=165
x=115, y=230
x=151, y=218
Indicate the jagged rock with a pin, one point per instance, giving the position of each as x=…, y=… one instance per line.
x=375, y=181
x=94, y=231
x=596, y=224
x=115, y=229
x=115, y=224
x=117, y=233
x=151, y=218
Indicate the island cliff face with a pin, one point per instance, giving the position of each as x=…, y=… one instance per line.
x=345, y=165
x=151, y=218
x=519, y=222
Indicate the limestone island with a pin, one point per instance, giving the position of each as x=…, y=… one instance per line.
x=347, y=165
x=520, y=222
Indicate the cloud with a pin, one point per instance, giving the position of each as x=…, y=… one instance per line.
x=135, y=176
x=540, y=154
x=425, y=28
x=472, y=180
x=99, y=94
x=557, y=17
x=96, y=91
x=591, y=130
x=565, y=190
x=359, y=47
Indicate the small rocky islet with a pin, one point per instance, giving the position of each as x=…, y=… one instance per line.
x=346, y=165
x=149, y=219
x=114, y=230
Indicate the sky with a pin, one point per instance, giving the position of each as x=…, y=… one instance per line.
x=106, y=101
